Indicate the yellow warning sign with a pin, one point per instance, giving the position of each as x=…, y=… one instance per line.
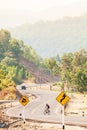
x=24, y=100
x=62, y=98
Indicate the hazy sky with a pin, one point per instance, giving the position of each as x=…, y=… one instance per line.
x=16, y=12
x=39, y=4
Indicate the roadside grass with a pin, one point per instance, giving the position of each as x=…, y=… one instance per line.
x=8, y=93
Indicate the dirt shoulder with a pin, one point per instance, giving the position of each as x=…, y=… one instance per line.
x=32, y=125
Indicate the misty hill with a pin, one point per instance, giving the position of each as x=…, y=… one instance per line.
x=54, y=37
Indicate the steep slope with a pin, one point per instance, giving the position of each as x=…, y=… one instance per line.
x=39, y=75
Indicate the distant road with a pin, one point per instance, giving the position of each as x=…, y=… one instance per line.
x=34, y=109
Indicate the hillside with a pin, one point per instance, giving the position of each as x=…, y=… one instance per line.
x=19, y=62
x=39, y=75
x=54, y=37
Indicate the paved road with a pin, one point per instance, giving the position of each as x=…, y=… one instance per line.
x=34, y=109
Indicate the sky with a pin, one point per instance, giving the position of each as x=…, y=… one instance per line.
x=16, y=12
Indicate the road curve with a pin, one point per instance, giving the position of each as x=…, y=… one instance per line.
x=34, y=109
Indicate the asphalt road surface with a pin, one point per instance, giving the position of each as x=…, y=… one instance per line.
x=35, y=109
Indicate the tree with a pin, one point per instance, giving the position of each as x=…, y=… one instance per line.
x=4, y=39
x=15, y=48
x=9, y=61
x=5, y=82
x=80, y=58
x=30, y=54
x=74, y=70
x=56, y=70
x=66, y=69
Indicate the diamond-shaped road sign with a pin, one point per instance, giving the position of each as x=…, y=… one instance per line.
x=24, y=100
x=62, y=98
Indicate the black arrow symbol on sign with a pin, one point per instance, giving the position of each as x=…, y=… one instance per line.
x=24, y=100
x=64, y=96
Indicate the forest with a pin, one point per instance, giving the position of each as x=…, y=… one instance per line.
x=71, y=67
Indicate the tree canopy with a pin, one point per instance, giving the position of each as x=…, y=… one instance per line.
x=71, y=67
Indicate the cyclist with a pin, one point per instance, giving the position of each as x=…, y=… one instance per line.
x=47, y=109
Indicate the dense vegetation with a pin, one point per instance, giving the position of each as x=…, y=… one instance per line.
x=54, y=37
x=71, y=67
x=74, y=70
x=11, y=71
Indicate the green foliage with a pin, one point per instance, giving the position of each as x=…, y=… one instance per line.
x=74, y=70
x=5, y=81
x=30, y=54
x=15, y=47
x=4, y=42
x=10, y=68
x=72, y=66
x=52, y=65
x=9, y=61
x=4, y=36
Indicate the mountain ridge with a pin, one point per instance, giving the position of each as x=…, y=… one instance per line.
x=54, y=37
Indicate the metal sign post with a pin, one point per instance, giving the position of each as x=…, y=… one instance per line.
x=63, y=125
x=62, y=98
x=24, y=101
x=24, y=114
